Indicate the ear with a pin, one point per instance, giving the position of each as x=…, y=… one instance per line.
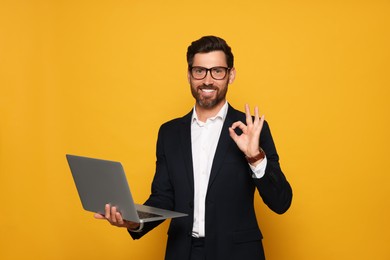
x=232, y=75
x=188, y=76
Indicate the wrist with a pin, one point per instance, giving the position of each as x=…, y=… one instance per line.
x=257, y=157
x=138, y=228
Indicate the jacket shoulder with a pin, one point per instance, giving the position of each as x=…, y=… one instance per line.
x=176, y=122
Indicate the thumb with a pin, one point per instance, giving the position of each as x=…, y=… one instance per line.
x=99, y=216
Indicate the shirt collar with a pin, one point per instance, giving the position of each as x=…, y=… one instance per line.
x=221, y=114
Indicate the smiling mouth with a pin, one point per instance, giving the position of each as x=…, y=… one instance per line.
x=207, y=90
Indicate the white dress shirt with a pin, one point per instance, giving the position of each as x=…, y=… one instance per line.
x=204, y=138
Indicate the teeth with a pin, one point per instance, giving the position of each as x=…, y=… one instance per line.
x=208, y=90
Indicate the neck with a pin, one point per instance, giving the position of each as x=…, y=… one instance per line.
x=205, y=113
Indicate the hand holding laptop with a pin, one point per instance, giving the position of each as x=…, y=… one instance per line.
x=103, y=189
x=115, y=218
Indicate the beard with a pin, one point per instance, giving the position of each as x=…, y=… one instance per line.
x=209, y=102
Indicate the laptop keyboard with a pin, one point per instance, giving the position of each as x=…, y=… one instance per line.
x=144, y=215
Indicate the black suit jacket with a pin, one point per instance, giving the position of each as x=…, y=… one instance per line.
x=231, y=226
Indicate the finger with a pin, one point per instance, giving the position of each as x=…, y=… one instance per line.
x=256, y=115
x=258, y=127
x=261, y=122
x=99, y=216
x=113, y=214
x=233, y=134
x=108, y=211
x=119, y=218
x=240, y=125
x=248, y=115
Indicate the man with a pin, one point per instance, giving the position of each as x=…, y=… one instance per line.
x=209, y=164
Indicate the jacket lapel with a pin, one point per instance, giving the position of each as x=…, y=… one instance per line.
x=225, y=141
x=185, y=139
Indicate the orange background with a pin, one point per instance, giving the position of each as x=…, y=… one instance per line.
x=98, y=78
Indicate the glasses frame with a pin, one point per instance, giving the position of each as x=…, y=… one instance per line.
x=209, y=70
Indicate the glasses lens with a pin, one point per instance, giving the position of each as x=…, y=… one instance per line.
x=198, y=72
x=218, y=72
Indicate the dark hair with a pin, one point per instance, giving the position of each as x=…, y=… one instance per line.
x=208, y=44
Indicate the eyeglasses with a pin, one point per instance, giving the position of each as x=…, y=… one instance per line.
x=217, y=73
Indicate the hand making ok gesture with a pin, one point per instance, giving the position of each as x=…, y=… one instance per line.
x=249, y=140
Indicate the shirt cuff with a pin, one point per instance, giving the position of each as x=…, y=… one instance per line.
x=259, y=170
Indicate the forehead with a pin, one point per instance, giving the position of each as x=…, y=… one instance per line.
x=210, y=59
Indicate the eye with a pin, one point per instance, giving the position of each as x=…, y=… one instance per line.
x=198, y=70
x=218, y=70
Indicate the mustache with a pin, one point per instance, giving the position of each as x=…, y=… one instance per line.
x=205, y=86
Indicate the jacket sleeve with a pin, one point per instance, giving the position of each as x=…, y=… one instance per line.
x=273, y=187
x=162, y=194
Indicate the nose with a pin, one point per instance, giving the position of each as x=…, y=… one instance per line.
x=208, y=80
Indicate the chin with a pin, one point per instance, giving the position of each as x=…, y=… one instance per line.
x=208, y=103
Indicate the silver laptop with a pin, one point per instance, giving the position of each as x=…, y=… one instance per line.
x=100, y=182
